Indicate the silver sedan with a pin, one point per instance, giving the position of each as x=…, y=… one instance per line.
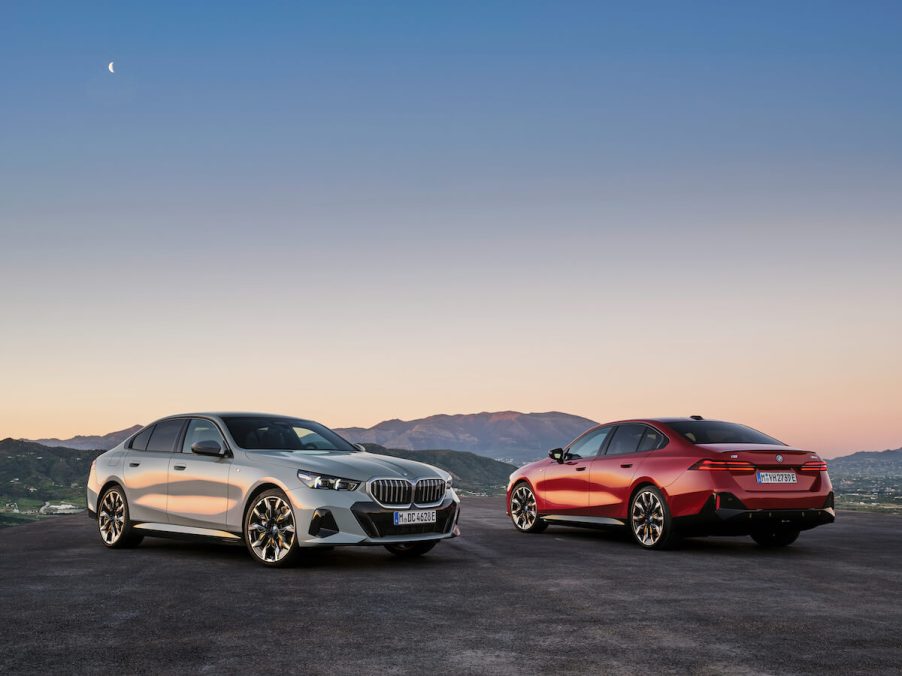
x=278, y=484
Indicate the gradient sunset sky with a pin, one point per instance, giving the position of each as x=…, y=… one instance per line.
x=361, y=211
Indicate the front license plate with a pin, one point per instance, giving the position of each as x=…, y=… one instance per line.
x=776, y=477
x=415, y=516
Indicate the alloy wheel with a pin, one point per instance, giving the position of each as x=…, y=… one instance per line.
x=270, y=528
x=647, y=518
x=523, y=508
x=111, y=517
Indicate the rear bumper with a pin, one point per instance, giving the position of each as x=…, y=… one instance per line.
x=716, y=519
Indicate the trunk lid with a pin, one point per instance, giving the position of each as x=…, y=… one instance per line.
x=771, y=460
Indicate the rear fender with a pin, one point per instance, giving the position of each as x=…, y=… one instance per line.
x=623, y=512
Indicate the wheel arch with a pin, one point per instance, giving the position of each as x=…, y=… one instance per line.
x=264, y=485
x=520, y=480
x=639, y=484
x=109, y=483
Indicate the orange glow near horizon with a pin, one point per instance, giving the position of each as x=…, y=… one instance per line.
x=790, y=387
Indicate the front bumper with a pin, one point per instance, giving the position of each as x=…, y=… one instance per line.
x=348, y=520
x=735, y=519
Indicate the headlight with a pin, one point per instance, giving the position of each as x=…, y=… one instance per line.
x=448, y=484
x=334, y=483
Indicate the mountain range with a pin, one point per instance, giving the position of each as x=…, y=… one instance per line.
x=888, y=463
x=506, y=435
x=92, y=442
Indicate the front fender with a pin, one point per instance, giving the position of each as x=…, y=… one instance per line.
x=242, y=485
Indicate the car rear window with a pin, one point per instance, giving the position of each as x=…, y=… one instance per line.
x=164, y=435
x=715, y=432
x=140, y=442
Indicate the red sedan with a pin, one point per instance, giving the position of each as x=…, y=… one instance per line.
x=668, y=477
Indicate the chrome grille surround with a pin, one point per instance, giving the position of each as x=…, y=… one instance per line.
x=404, y=494
x=391, y=492
x=429, y=491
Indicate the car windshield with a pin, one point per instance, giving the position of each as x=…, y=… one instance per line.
x=284, y=434
x=715, y=432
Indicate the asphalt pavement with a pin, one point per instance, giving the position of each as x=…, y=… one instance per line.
x=493, y=601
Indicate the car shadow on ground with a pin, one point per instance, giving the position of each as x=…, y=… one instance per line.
x=337, y=558
x=621, y=539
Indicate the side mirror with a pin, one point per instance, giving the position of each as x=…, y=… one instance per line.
x=207, y=447
x=359, y=447
x=556, y=454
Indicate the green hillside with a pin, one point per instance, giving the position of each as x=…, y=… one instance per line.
x=32, y=474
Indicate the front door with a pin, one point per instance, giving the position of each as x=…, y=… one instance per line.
x=565, y=486
x=199, y=484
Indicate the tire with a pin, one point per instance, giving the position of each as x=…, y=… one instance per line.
x=113, y=522
x=411, y=550
x=775, y=536
x=269, y=530
x=523, y=510
x=649, y=520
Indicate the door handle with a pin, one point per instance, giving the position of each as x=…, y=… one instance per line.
x=134, y=464
x=580, y=469
x=626, y=465
x=178, y=467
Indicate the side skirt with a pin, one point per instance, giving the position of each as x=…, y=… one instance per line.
x=589, y=521
x=169, y=530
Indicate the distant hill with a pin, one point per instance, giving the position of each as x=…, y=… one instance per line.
x=472, y=473
x=31, y=474
x=506, y=435
x=887, y=463
x=92, y=442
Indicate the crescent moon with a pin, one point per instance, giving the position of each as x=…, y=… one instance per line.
x=110, y=67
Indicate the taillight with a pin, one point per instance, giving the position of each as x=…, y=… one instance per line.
x=709, y=465
x=814, y=466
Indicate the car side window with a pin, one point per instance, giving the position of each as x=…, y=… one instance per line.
x=201, y=430
x=139, y=443
x=626, y=439
x=652, y=440
x=165, y=435
x=589, y=444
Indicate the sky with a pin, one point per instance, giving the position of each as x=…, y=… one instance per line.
x=359, y=211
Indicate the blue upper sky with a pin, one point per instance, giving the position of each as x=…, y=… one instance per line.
x=455, y=181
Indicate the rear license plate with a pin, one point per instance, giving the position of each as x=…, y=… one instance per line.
x=414, y=516
x=776, y=477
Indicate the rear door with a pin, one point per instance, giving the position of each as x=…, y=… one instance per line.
x=147, y=470
x=199, y=484
x=611, y=474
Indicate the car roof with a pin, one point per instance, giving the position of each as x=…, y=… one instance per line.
x=232, y=414
x=664, y=420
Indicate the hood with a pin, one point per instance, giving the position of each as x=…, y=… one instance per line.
x=358, y=466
